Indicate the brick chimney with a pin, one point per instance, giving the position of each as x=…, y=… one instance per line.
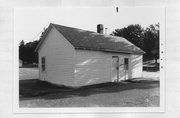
x=100, y=28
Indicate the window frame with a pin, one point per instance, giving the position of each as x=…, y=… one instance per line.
x=126, y=63
x=43, y=64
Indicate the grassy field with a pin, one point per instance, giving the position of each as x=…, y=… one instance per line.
x=28, y=73
x=143, y=92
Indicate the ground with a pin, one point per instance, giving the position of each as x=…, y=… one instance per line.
x=142, y=92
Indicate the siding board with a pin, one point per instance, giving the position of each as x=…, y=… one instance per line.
x=59, y=59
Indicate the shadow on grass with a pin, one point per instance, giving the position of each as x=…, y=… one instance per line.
x=34, y=88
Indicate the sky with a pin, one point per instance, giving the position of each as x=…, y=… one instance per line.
x=29, y=22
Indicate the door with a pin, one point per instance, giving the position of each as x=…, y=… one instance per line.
x=115, y=68
x=120, y=68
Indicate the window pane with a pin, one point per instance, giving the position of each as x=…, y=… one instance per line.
x=43, y=63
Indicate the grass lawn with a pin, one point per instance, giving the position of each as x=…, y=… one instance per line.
x=28, y=73
x=138, y=93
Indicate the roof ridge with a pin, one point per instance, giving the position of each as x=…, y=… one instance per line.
x=76, y=28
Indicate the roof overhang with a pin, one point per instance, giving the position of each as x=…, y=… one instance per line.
x=108, y=50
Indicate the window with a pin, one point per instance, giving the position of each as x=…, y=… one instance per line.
x=43, y=63
x=126, y=63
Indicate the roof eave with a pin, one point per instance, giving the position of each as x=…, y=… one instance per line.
x=107, y=50
x=127, y=52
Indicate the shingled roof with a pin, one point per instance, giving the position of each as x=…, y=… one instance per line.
x=88, y=40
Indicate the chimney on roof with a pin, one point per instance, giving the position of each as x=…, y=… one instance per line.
x=100, y=28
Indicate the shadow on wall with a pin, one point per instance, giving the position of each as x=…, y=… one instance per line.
x=90, y=71
x=93, y=70
x=136, y=61
x=136, y=66
x=33, y=89
x=83, y=75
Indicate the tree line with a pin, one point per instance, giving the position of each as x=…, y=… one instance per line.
x=145, y=38
x=27, y=52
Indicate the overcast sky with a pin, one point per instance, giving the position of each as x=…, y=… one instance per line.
x=29, y=22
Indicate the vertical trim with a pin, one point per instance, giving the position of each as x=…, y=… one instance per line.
x=39, y=66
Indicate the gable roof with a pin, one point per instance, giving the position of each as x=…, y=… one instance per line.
x=88, y=40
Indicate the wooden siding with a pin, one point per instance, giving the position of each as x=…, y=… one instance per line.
x=94, y=67
x=59, y=55
x=136, y=64
x=91, y=67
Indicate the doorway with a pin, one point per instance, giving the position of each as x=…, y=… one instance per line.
x=115, y=68
x=120, y=67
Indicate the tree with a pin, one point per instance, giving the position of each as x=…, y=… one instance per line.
x=31, y=55
x=27, y=52
x=133, y=33
x=151, y=42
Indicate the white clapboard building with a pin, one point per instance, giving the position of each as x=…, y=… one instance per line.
x=76, y=57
